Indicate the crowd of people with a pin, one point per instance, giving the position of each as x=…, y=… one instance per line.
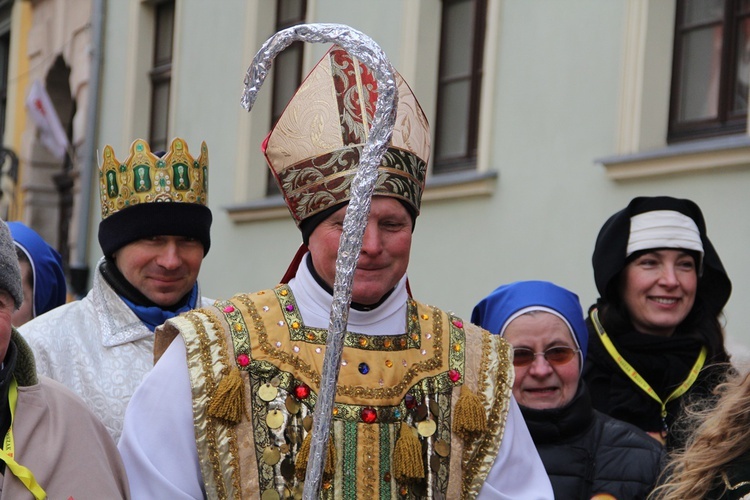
x=147, y=389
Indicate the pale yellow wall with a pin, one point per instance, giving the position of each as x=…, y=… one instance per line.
x=552, y=108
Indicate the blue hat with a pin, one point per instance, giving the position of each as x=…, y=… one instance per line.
x=46, y=268
x=498, y=309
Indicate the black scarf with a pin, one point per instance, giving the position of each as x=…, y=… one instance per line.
x=559, y=424
x=125, y=289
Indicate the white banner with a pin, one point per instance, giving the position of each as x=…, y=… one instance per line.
x=41, y=110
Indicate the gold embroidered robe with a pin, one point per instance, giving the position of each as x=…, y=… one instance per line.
x=385, y=380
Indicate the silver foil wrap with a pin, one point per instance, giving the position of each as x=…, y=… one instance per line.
x=369, y=53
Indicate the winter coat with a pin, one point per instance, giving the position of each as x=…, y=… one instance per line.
x=733, y=482
x=664, y=362
x=58, y=439
x=586, y=452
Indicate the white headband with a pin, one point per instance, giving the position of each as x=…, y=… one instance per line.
x=663, y=229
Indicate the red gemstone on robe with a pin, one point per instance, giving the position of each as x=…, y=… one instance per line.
x=302, y=391
x=243, y=360
x=369, y=415
x=229, y=309
x=454, y=375
x=410, y=402
x=458, y=323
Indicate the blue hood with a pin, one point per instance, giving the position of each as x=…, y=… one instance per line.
x=493, y=312
x=46, y=264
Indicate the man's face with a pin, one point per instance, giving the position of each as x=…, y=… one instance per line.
x=7, y=306
x=385, y=249
x=163, y=268
x=26, y=311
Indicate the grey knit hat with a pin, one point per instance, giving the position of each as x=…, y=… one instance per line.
x=10, y=272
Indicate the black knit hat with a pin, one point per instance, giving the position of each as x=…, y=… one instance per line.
x=155, y=219
x=610, y=251
x=10, y=271
x=147, y=195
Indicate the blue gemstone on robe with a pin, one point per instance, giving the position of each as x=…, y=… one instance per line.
x=364, y=369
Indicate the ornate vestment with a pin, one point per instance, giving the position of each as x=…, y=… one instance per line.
x=414, y=378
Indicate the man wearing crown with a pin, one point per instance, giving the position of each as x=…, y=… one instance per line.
x=423, y=405
x=154, y=236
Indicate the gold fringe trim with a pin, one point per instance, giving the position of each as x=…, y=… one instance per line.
x=228, y=402
x=407, y=456
x=470, y=419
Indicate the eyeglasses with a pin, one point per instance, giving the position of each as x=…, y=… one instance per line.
x=558, y=355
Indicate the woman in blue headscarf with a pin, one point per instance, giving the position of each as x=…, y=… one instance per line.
x=42, y=272
x=585, y=453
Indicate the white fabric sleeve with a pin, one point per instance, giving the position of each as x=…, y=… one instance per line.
x=518, y=472
x=158, y=441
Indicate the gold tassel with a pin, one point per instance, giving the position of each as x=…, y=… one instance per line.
x=470, y=419
x=228, y=401
x=300, y=464
x=407, y=456
x=330, y=467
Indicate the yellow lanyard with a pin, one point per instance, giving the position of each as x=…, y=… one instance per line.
x=640, y=381
x=7, y=452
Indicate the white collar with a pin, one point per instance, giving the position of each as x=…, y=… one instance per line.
x=389, y=318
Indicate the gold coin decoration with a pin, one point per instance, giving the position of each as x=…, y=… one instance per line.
x=442, y=448
x=426, y=428
x=287, y=469
x=270, y=495
x=271, y=455
x=274, y=419
x=421, y=412
x=435, y=463
x=267, y=392
x=434, y=408
x=297, y=490
x=292, y=404
x=307, y=423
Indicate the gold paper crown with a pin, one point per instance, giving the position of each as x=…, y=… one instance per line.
x=146, y=178
x=315, y=147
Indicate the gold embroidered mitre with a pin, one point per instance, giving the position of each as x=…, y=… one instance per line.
x=315, y=147
x=146, y=178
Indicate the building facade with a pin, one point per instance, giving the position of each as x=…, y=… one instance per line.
x=547, y=117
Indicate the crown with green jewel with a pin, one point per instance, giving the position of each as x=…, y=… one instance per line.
x=146, y=178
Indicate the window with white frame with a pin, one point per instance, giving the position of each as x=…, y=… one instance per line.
x=711, y=69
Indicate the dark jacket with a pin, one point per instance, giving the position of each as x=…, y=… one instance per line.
x=734, y=481
x=586, y=452
x=664, y=362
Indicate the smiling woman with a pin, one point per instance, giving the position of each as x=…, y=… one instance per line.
x=587, y=454
x=655, y=336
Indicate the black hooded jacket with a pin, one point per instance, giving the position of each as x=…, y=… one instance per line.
x=586, y=452
x=664, y=362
